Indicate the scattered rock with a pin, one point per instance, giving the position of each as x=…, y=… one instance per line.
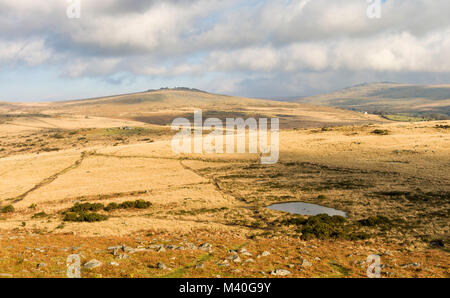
x=387, y=253
x=161, y=249
x=41, y=265
x=249, y=261
x=191, y=246
x=123, y=256
x=437, y=243
x=280, y=272
x=200, y=266
x=114, y=264
x=92, y=264
x=410, y=265
x=265, y=254
x=205, y=247
x=306, y=263
x=245, y=252
x=128, y=249
x=6, y=275
x=224, y=264
x=161, y=266
x=234, y=258
x=155, y=246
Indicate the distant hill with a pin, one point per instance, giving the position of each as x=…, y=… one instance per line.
x=161, y=107
x=388, y=98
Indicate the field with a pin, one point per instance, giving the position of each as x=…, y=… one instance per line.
x=98, y=178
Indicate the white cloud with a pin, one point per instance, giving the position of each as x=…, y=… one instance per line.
x=30, y=52
x=296, y=38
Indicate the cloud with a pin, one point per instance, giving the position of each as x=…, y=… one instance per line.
x=29, y=52
x=245, y=43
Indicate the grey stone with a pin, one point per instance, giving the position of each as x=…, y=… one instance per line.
x=92, y=264
x=265, y=254
x=280, y=272
x=234, y=258
x=306, y=263
x=205, y=247
x=128, y=249
x=245, y=252
x=410, y=265
x=224, y=264
x=123, y=256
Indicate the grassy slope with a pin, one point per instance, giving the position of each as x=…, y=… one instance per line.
x=388, y=97
x=162, y=106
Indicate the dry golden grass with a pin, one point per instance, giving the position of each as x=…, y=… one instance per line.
x=49, y=163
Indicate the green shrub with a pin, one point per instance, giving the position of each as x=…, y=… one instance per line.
x=57, y=136
x=40, y=215
x=375, y=221
x=141, y=204
x=111, y=206
x=7, y=209
x=296, y=221
x=86, y=212
x=320, y=226
x=86, y=207
x=138, y=204
x=84, y=217
x=382, y=132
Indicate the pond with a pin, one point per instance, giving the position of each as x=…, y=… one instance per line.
x=306, y=209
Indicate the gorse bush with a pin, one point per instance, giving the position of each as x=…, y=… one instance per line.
x=86, y=207
x=375, y=221
x=382, y=132
x=321, y=226
x=84, y=216
x=86, y=212
x=40, y=215
x=7, y=209
x=138, y=204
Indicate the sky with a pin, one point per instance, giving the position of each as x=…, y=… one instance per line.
x=253, y=48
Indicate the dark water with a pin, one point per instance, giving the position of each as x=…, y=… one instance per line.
x=306, y=209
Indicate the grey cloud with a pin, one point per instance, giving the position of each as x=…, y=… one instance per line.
x=288, y=45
